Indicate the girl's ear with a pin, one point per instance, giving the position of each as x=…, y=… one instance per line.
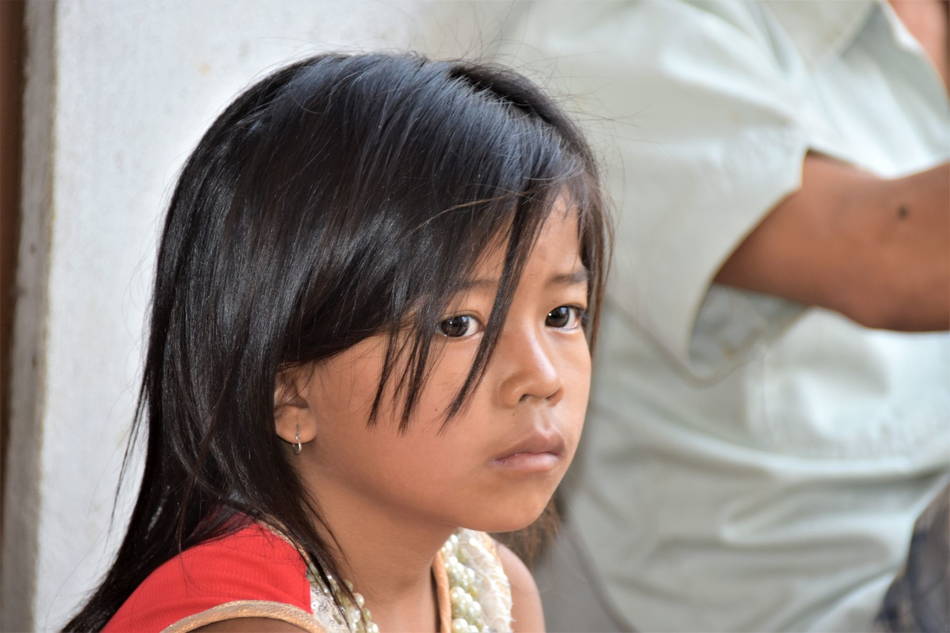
x=294, y=419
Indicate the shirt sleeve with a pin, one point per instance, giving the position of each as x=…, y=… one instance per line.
x=699, y=130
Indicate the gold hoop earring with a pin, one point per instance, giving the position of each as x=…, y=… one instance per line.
x=297, y=445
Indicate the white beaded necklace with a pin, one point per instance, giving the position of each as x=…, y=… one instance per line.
x=467, y=616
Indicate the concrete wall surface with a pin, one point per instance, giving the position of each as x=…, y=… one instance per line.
x=118, y=92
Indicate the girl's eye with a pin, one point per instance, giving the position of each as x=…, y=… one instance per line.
x=459, y=326
x=566, y=317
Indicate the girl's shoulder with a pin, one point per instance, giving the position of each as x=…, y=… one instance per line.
x=252, y=571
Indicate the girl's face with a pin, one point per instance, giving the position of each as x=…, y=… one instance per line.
x=495, y=465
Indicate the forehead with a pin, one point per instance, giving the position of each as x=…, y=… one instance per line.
x=557, y=247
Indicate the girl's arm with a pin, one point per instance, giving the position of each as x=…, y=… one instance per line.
x=526, y=603
x=250, y=625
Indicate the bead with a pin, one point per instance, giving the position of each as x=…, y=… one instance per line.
x=456, y=572
x=459, y=626
x=360, y=600
x=371, y=627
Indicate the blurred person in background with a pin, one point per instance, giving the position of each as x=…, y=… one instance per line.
x=771, y=408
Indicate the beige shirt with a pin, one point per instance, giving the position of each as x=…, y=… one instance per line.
x=749, y=464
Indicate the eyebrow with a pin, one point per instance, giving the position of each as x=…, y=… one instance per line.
x=579, y=276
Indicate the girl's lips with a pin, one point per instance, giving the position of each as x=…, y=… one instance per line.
x=541, y=450
x=528, y=462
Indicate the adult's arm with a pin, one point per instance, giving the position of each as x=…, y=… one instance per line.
x=876, y=250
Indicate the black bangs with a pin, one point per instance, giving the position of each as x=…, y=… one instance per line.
x=394, y=174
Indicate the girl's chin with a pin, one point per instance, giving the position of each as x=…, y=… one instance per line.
x=510, y=521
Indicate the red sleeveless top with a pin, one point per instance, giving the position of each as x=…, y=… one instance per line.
x=222, y=575
x=254, y=572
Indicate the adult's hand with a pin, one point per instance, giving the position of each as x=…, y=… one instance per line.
x=876, y=250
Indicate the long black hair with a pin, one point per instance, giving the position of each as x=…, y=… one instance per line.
x=340, y=197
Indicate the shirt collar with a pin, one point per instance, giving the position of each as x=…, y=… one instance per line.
x=821, y=28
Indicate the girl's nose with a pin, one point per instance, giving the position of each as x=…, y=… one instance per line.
x=530, y=369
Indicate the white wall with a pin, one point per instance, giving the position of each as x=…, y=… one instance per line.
x=118, y=92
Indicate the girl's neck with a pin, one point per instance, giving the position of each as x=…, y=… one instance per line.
x=387, y=555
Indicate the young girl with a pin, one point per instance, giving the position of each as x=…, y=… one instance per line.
x=376, y=289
